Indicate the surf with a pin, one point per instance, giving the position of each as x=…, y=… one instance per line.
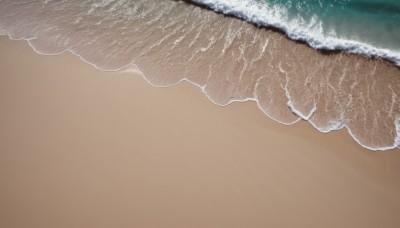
x=340, y=30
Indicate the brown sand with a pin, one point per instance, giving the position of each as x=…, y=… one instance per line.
x=84, y=148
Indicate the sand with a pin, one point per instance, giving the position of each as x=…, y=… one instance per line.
x=85, y=148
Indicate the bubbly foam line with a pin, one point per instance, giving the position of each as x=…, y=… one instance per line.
x=267, y=16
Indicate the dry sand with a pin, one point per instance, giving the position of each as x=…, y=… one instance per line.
x=84, y=148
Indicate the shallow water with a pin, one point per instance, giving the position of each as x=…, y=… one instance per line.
x=228, y=59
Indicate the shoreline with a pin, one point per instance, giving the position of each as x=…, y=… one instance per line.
x=282, y=79
x=90, y=148
x=132, y=67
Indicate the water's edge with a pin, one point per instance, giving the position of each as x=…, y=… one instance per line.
x=228, y=59
x=136, y=70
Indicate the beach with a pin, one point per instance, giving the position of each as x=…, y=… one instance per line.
x=81, y=147
x=350, y=85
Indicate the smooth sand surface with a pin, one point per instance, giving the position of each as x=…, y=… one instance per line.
x=84, y=148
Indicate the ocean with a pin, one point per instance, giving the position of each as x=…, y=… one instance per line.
x=332, y=63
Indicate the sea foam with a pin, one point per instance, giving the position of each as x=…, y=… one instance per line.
x=312, y=32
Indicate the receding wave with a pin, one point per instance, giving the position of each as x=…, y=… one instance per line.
x=310, y=30
x=228, y=59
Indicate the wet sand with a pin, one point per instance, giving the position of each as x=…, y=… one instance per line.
x=85, y=148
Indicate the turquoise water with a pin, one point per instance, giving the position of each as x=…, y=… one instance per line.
x=368, y=27
x=376, y=22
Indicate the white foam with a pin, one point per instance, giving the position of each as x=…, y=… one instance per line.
x=312, y=33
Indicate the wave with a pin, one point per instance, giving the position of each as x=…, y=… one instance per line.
x=311, y=32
